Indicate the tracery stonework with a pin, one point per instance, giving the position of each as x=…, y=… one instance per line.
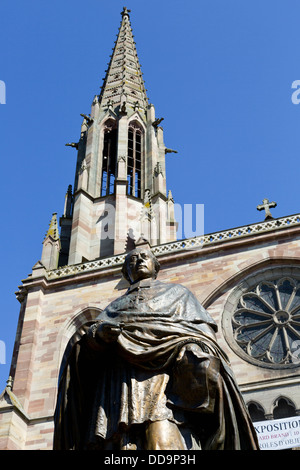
x=266, y=322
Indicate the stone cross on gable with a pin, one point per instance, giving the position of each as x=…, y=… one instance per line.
x=266, y=205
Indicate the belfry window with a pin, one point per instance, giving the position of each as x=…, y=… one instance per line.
x=134, y=163
x=109, y=157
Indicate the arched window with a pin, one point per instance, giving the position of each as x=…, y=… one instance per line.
x=256, y=412
x=109, y=157
x=284, y=408
x=134, y=163
x=266, y=320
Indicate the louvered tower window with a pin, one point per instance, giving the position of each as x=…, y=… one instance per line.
x=109, y=157
x=134, y=163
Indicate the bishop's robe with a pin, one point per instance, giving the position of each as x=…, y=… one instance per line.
x=165, y=364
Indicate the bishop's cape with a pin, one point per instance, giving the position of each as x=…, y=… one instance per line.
x=165, y=364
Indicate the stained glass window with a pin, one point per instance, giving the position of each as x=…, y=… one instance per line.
x=266, y=323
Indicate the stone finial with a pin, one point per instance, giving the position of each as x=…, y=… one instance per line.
x=51, y=245
x=53, y=230
x=142, y=242
x=68, y=202
x=170, y=196
x=125, y=12
x=9, y=383
x=158, y=170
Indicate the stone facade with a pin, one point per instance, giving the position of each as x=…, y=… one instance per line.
x=54, y=309
x=80, y=269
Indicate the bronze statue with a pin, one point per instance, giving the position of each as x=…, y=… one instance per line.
x=150, y=375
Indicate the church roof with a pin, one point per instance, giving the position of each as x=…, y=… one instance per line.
x=124, y=80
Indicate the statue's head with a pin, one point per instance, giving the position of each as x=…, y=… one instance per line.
x=139, y=264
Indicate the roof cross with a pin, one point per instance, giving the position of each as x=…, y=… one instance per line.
x=266, y=205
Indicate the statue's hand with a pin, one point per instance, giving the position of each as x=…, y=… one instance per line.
x=108, y=332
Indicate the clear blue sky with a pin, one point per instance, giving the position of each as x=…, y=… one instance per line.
x=220, y=73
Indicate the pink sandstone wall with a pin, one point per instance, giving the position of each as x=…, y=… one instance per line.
x=56, y=308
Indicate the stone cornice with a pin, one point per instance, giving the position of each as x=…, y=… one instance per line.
x=232, y=239
x=290, y=381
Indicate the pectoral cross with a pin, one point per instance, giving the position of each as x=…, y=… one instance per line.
x=266, y=206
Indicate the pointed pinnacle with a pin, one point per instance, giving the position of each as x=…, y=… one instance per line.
x=52, y=230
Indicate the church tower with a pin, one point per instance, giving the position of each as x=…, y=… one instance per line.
x=119, y=192
x=247, y=278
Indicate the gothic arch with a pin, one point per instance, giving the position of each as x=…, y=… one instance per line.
x=109, y=146
x=73, y=329
x=135, y=158
x=256, y=411
x=136, y=118
x=283, y=407
x=81, y=318
x=263, y=343
x=110, y=114
x=108, y=123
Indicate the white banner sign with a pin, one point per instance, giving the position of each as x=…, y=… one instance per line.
x=278, y=434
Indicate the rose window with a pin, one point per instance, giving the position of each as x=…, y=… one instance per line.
x=266, y=323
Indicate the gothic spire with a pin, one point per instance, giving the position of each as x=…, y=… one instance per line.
x=123, y=84
x=120, y=170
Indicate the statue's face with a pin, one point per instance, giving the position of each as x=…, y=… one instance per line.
x=140, y=265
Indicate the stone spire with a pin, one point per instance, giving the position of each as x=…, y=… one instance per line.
x=123, y=84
